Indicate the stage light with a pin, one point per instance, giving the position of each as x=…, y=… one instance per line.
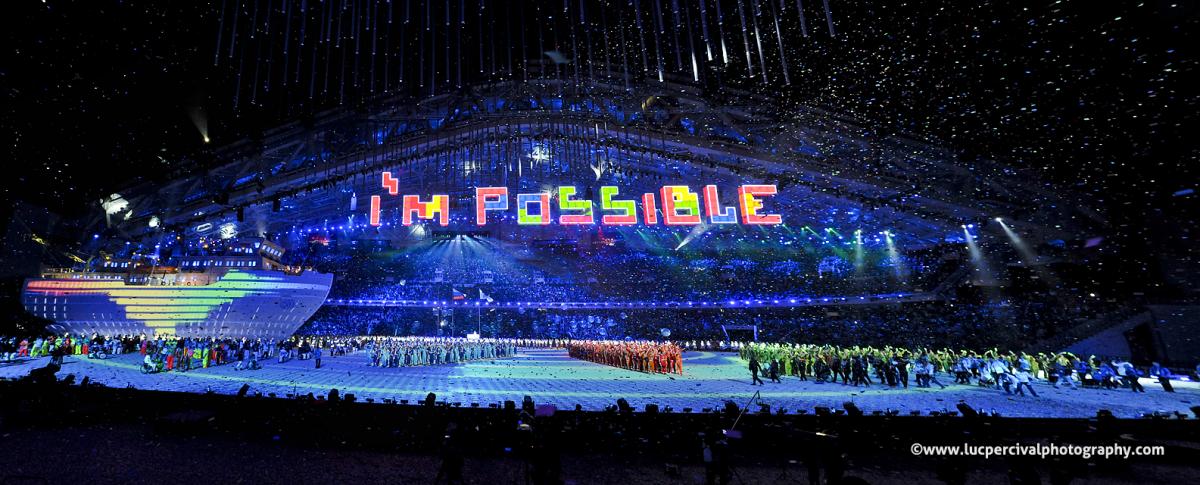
x=1028, y=257
x=539, y=153
x=977, y=259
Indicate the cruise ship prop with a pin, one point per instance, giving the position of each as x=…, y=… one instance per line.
x=242, y=292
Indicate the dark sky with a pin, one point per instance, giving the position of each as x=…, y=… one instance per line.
x=1101, y=97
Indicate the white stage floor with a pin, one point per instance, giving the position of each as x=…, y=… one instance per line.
x=549, y=376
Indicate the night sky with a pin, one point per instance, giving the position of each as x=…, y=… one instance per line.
x=1100, y=97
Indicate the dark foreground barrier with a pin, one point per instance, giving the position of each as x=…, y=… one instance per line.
x=829, y=441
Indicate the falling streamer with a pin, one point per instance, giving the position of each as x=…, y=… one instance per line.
x=762, y=61
x=675, y=28
x=303, y=30
x=373, y=24
x=574, y=40
x=637, y=10
x=624, y=55
x=541, y=41
x=508, y=34
x=257, y=56
x=403, y=38
x=787, y=78
x=692, y=46
x=312, y=68
x=657, y=42
x=333, y=42
x=492, y=26
x=745, y=38
x=479, y=33
x=237, y=89
x=254, y=21
x=346, y=32
x=524, y=49
x=447, y=49
x=607, y=59
x=587, y=29
x=721, y=32
x=355, y=18
x=233, y=37
x=287, y=37
x=803, y=22
x=829, y=19
x=387, y=48
x=220, y=33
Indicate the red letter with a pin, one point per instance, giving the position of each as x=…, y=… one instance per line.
x=375, y=210
x=649, y=209
x=748, y=199
x=393, y=185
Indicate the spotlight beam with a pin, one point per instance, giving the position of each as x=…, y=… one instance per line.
x=977, y=259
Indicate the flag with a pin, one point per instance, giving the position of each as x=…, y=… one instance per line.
x=458, y=295
x=483, y=296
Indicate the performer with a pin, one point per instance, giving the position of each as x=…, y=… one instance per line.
x=754, y=368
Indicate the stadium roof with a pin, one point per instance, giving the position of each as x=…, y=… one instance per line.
x=833, y=171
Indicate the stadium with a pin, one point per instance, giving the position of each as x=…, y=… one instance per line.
x=460, y=229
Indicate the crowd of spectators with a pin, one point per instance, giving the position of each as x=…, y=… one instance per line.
x=527, y=272
x=934, y=324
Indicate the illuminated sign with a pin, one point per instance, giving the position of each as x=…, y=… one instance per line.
x=674, y=205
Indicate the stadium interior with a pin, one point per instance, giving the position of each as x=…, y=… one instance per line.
x=501, y=224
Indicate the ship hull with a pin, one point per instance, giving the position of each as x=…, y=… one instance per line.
x=238, y=303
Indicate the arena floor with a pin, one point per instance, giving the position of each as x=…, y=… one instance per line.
x=549, y=376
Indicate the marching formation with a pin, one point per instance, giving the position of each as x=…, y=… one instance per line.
x=652, y=357
x=891, y=366
x=1013, y=372
x=418, y=351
